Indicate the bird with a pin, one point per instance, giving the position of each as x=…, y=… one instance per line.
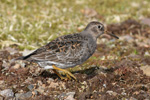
x=68, y=51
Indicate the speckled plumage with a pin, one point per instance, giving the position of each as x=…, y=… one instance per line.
x=68, y=50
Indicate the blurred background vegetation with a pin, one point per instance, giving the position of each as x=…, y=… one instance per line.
x=32, y=23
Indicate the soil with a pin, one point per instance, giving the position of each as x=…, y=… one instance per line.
x=112, y=73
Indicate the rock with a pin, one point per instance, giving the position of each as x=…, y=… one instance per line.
x=70, y=93
x=24, y=96
x=5, y=65
x=132, y=98
x=30, y=87
x=67, y=96
x=53, y=85
x=146, y=21
x=146, y=53
x=40, y=89
x=88, y=12
x=16, y=66
x=70, y=96
x=1, y=98
x=61, y=96
x=111, y=93
x=50, y=79
x=126, y=38
x=146, y=70
x=11, y=50
x=35, y=92
x=7, y=93
x=135, y=4
x=18, y=95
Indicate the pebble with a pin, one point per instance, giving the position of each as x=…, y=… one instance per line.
x=7, y=93
x=16, y=66
x=35, y=92
x=67, y=96
x=111, y=93
x=61, y=95
x=53, y=85
x=146, y=70
x=146, y=21
x=70, y=96
x=132, y=98
x=40, y=89
x=30, y=87
x=1, y=98
x=126, y=38
x=23, y=96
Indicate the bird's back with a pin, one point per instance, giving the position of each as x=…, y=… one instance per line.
x=65, y=51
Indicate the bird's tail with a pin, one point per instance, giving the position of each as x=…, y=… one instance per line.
x=21, y=58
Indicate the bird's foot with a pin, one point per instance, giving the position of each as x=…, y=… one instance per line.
x=68, y=74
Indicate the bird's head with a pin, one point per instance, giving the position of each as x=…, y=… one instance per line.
x=96, y=29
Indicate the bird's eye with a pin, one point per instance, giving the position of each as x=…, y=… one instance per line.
x=99, y=26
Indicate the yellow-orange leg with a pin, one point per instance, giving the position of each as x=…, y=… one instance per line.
x=68, y=74
x=62, y=78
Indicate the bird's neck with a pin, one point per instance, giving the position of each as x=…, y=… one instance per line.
x=88, y=34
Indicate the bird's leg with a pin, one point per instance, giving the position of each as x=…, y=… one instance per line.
x=62, y=78
x=68, y=74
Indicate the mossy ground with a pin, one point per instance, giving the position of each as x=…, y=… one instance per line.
x=114, y=72
x=32, y=24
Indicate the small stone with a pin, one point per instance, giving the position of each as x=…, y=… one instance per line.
x=7, y=93
x=40, y=89
x=61, y=96
x=69, y=98
x=50, y=79
x=146, y=21
x=126, y=38
x=146, y=53
x=132, y=98
x=23, y=96
x=70, y=93
x=28, y=94
x=16, y=66
x=111, y=93
x=1, y=81
x=1, y=98
x=35, y=92
x=53, y=85
x=30, y=87
x=89, y=12
x=146, y=70
x=17, y=95
x=12, y=51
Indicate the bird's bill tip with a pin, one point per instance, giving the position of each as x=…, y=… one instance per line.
x=111, y=34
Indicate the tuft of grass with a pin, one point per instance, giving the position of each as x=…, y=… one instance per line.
x=34, y=23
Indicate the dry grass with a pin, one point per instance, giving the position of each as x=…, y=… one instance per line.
x=34, y=23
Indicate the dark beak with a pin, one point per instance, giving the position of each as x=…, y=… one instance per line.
x=111, y=34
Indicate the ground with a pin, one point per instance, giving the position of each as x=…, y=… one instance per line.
x=118, y=70
x=115, y=71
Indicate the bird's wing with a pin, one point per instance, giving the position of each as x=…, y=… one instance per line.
x=66, y=49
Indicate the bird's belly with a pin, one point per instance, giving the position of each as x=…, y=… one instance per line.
x=74, y=60
x=48, y=65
